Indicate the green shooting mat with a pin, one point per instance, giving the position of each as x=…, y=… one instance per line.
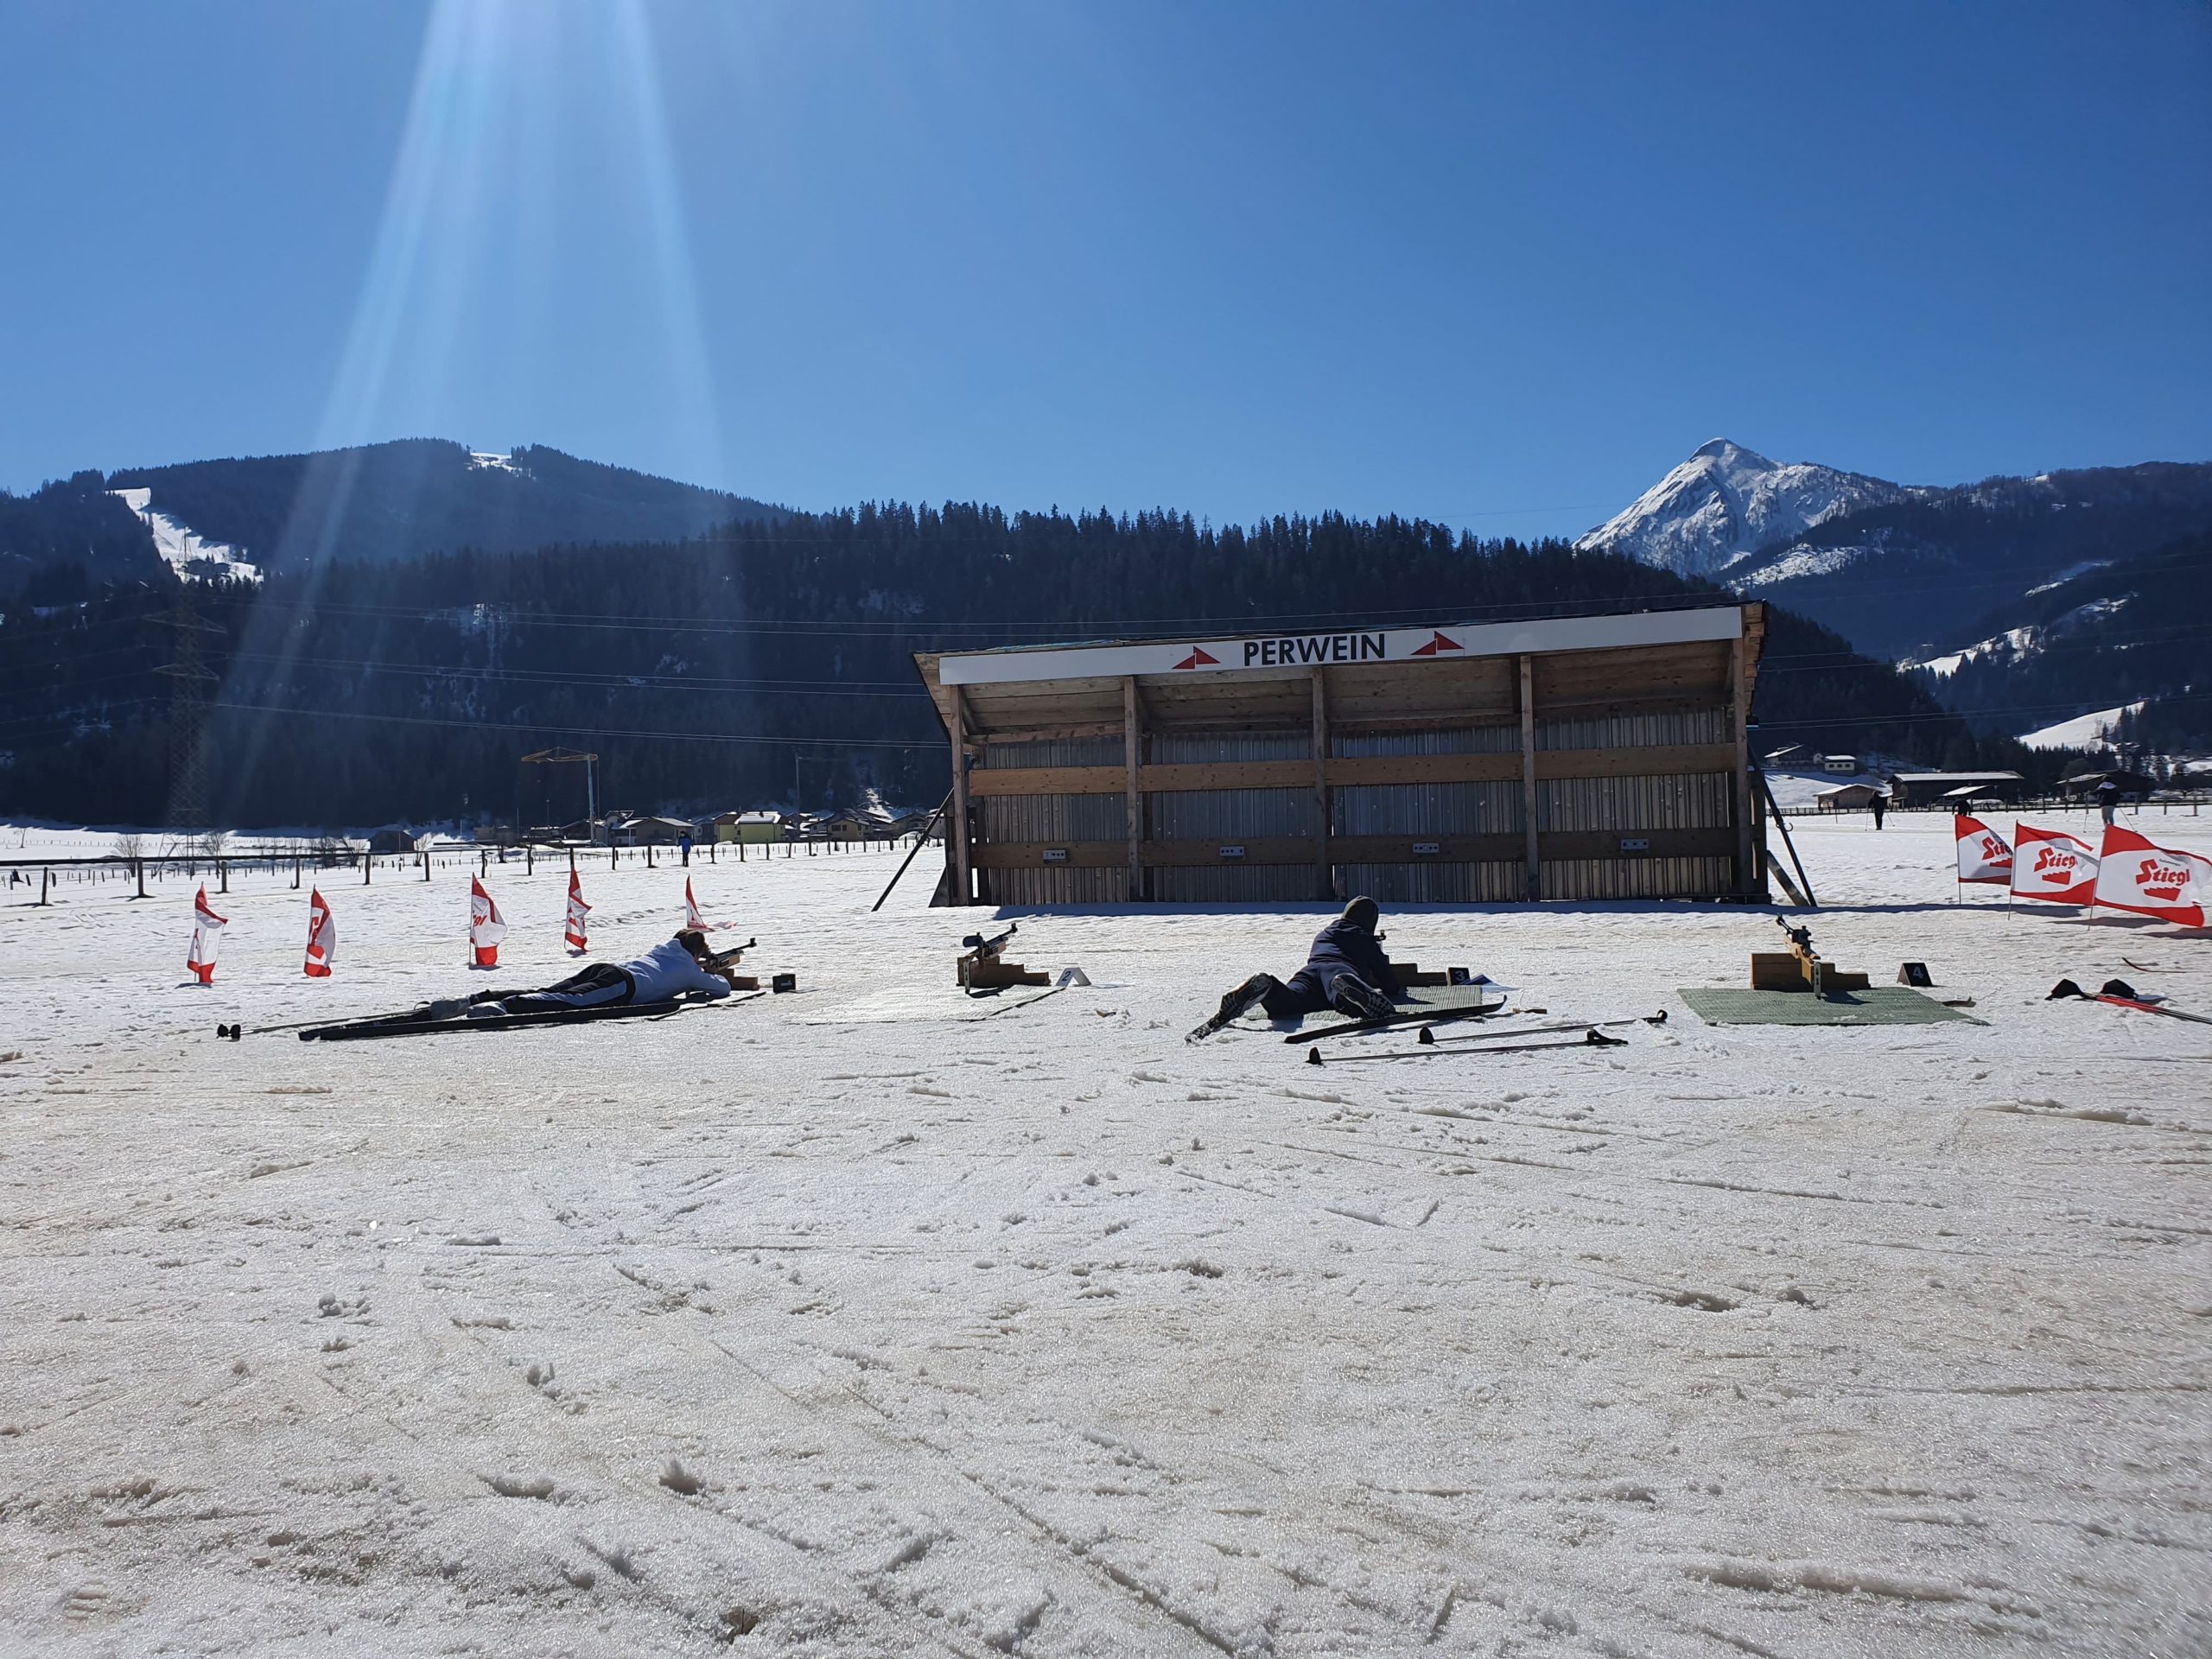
x=1884, y=1005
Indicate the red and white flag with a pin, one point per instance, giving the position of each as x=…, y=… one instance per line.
x=485, y=926
x=322, y=936
x=579, y=916
x=207, y=934
x=2152, y=881
x=1983, y=856
x=691, y=915
x=2053, y=865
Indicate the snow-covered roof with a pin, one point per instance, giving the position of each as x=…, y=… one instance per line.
x=1954, y=777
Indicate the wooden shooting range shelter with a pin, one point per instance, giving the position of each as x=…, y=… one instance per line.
x=1566, y=758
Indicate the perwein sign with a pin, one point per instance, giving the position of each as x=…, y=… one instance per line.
x=1262, y=653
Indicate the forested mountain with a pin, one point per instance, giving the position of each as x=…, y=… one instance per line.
x=426, y=495
x=1902, y=571
x=2137, y=630
x=383, y=501
x=709, y=673
x=64, y=540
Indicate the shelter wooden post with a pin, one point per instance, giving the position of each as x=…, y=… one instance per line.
x=956, y=831
x=1739, y=699
x=1133, y=762
x=1324, y=887
x=1534, y=878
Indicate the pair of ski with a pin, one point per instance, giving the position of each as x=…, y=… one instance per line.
x=1487, y=1042
x=421, y=1022
x=2121, y=994
x=1419, y=1014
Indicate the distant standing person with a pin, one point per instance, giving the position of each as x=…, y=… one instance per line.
x=2107, y=796
x=1880, y=803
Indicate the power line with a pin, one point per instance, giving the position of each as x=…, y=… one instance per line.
x=558, y=728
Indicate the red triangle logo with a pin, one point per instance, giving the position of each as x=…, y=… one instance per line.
x=1198, y=659
x=1437, y=642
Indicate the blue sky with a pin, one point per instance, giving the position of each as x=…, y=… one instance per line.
x=1497, y=266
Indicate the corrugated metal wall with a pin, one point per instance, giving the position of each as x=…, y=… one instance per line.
x=1435, y=883
x=1636, y=878
x=1055, y=752
x=1457, y=739
x=1175, y=749
x=1628, y=805
x=1053, y=819
x=1429, y=810
x=1228, y=814
x=1633, y=731
x=1234, y=884
x=1050, y=884
x=1698, y=800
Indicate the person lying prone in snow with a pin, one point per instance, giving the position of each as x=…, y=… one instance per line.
x=1345, y=971
x=661, y=974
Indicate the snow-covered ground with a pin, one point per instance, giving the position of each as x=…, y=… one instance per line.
x=2082, y=732
x=2022, y=641
x=871, y=1320
x=182, y=547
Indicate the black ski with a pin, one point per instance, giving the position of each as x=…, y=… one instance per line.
x=1593, y=1038
x=425, y=1026
x=1412, y=1016
x=1658, y=1018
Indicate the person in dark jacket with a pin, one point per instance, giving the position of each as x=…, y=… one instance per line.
x=2108, y=797
x=1345, y=971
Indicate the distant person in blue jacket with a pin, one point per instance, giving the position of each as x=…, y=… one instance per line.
x=683, y=965
x=1345, y=971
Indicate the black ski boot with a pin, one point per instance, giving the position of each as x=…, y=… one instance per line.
x=1237, y=1003
x=1355, y=998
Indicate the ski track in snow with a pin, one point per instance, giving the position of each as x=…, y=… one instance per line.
x=757, y=1331
x=182, y=547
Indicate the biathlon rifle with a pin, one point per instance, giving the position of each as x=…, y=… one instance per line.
x=987, y=949
x=730, y=957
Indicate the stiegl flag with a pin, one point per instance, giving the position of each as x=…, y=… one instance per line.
x=486, y=929
x=2136, y=875
x=1983, y=856
x=207, y=934
x=2052, y=865
x=577, y=937
x=322, y=936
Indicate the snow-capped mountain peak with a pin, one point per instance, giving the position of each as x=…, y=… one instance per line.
x=1726, y=502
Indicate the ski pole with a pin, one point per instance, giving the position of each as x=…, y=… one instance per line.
x=1594, y=1039
x=1428, y=1039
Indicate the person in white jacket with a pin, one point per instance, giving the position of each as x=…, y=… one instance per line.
x=661, y=974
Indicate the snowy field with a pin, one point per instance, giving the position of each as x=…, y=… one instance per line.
x=872, y=1321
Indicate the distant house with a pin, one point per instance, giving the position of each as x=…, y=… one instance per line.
x=850, y=825
x=1844, y=763
x=1788, y=755
x=755, y=826
x=1847, y=798
x=648, y=830
x=1928, y=788
x=386, y=841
